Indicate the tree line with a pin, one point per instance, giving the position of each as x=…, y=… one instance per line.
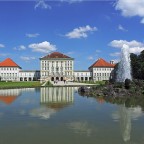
x=137, y=65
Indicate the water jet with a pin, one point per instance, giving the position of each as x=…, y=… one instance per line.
x=124, y=67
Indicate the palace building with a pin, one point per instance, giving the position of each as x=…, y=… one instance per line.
x=82, y=75
x=10, y=71
x=56, y=66
x=101, y=70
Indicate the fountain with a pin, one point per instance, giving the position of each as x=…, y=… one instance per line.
x=124, y=67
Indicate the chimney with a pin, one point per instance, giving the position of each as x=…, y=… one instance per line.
x=112, y=62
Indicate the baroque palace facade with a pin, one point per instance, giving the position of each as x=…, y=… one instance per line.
x=56, y=66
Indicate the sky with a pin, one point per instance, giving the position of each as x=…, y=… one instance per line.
x=84, y=30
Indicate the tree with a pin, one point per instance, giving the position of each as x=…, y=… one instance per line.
x=135, y=66
x=141, y=61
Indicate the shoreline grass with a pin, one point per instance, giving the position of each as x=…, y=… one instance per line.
x=23, y=84
x=34, y=84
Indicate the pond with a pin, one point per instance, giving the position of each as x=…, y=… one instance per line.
x=60, y=115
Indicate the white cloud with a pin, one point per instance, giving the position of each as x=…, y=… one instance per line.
x=81, y=32
x=120, y=43
x=44, y=47
x=131, y=8
x=2, y=45
x=42, y=4
x=115, y=54
x=136, y=50
x=98, y=51
x=42, y=112
x=71, y=1
x=32, y=35
x=81, y=127
x=4, y=54
x=25, y=58
x=120, y=27
x=90, y=58
x=21, y=47
x=134, y=46
x=116, y=60
x=142, y=21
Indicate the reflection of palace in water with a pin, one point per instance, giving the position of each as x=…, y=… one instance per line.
x=57, y=97
x=9, y=95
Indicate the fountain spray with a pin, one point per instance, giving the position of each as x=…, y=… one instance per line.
x=124, y=67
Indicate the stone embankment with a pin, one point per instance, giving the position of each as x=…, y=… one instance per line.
x=130, y=92
x=115, y=90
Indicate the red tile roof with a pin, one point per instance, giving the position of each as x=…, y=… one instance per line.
x=8, y=63
x=8, y=99
x=102, y=63
x=56, y=55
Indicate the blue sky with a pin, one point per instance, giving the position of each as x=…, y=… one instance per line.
x=84, y=30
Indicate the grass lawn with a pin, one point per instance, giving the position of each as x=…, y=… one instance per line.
x=19, y=84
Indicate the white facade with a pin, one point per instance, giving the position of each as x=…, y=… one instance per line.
x=56, y=66
x=15, y=74
x=102, y=70
x=29, y=75
x=9, y=73
x=101, y=73
x=82, y=75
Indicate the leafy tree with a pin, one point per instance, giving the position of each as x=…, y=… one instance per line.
x=137, y=65
x=141, y=61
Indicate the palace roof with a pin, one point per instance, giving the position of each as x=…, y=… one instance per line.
x=102, y=63
x=8, y=63
x=55, y=55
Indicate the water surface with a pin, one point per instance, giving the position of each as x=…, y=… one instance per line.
x=60, y=115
